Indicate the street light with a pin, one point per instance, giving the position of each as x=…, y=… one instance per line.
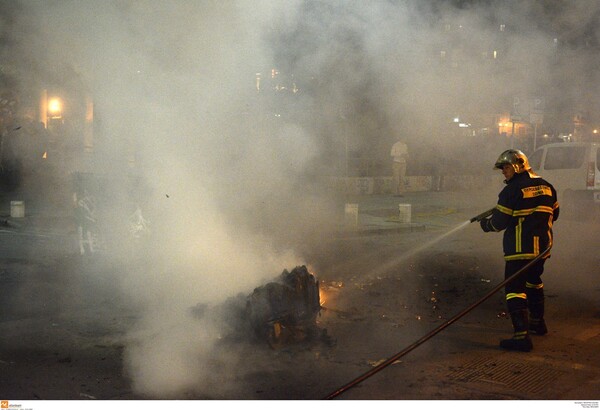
x=54, y=111
x=54, y=108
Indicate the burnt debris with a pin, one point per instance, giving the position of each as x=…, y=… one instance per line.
x=281, y=313
x=285, y=311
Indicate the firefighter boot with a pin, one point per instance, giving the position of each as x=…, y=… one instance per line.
x=537, y=324
x=520, y=340
x=538, y=327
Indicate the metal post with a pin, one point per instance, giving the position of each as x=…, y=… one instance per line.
x=512, y=135
x=346, y=136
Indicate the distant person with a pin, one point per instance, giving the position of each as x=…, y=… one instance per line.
x=85, y=214
x=437, y=169
x=399, y=155
x=526, y=209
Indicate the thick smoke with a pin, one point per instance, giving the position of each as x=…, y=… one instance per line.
x=232, y=179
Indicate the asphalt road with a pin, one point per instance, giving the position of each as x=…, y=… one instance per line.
x=67, y=327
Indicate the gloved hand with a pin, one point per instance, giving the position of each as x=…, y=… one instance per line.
x=485, y=224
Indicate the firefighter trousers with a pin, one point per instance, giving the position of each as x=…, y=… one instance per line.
x=527, y=290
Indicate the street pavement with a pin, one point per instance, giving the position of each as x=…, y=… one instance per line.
x=565, y=364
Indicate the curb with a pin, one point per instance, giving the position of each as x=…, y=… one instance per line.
x=36, y=224
x=10, y=223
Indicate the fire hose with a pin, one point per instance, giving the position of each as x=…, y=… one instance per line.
x=443, y=326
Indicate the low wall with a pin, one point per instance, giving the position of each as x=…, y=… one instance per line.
x=384, y=185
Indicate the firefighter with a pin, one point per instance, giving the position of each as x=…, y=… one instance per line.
x=526, y=209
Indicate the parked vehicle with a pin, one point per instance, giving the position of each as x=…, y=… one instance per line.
x=574, y=170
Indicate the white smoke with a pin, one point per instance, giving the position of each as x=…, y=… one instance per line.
x=232, y=186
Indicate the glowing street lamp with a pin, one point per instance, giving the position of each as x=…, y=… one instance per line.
x=55, y=108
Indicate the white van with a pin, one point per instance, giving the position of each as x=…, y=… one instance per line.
x=573, y=169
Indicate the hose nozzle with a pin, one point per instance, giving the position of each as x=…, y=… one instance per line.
x=482, y=215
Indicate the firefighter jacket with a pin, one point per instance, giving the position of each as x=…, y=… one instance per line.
x=526, y=209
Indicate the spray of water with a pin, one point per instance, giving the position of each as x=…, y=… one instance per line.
x=392, y=263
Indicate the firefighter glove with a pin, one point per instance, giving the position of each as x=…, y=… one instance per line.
x=485, y=224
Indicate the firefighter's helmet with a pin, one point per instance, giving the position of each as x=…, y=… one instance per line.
x=514, y=157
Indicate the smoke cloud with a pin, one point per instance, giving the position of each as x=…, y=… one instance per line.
x=232, y=172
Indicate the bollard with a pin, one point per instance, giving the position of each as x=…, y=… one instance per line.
x=351, y=215
x=404, y=216
x=17, y=209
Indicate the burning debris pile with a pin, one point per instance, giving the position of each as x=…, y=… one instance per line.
x=282, y=312
x=285, y=311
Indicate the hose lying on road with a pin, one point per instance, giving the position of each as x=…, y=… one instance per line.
x=435, y=331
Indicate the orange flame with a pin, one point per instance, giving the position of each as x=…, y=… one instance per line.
x=322, y=296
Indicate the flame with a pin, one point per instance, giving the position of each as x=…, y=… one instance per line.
x=322, y=296
x=328, y=291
